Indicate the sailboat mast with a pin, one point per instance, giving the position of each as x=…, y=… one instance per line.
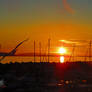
x=49, y=49
x=0, y=46
x=90, y=50
x=72, y=54
x=34, y=52
x=40, y=50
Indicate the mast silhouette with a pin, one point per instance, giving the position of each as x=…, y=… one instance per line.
x=40, y=51
x=90, y=50
x=34, y=52
x=0, y=47
x=85, y=57
x=49, y=49
x=72, y=54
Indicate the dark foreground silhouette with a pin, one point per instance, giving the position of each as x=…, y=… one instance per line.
x=46, y=77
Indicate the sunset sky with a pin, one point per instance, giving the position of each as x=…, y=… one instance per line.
x=42, y=19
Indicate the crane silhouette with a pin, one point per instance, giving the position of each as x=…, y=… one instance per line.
x=11, y=53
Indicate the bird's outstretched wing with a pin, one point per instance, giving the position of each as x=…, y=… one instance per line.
x=20, y=43
x=13, y=51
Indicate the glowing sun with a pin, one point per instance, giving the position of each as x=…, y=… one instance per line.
x=62, y=50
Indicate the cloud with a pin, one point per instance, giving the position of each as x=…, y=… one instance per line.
x=67, y=6
x=76, y=42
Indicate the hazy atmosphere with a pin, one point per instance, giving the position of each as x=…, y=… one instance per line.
x=45, y=45
x=41, y=19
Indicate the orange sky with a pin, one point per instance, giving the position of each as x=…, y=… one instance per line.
x=41, y=32
x=42, y=20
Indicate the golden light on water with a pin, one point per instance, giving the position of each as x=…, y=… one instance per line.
x=62, y=51
x=62, y=59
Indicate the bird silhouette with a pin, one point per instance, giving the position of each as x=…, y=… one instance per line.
x=11, y=53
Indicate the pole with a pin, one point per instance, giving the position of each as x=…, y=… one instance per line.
x=40, y=50
x=48, y=50
x=0, y=47
x=90, y=51
x=85, y=58
x=72, y=54
x=34, y=51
